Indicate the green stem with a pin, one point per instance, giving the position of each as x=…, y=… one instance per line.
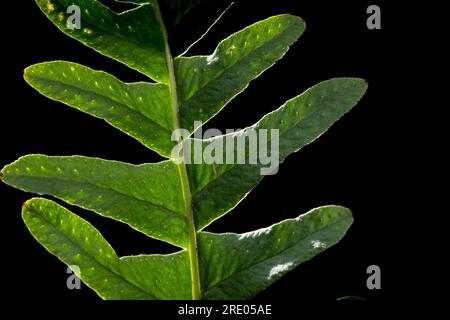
x=187, y=196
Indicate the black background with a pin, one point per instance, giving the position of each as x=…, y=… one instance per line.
x=354, y=164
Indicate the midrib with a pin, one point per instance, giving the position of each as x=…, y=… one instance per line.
x=184, y=179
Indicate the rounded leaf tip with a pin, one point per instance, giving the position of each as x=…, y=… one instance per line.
x=25, y=205
x=302, y=20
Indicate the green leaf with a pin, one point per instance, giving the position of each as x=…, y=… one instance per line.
x=141, y=110
x=134, y=37
x=208, y=83
x=146, y=197
x=77, y=243
x=172, y=201
x=239, y=266
x=218, y=188
x=234, y=266
x=166, y=276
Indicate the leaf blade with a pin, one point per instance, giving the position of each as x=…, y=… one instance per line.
x=141, y=110
x=212, y=81
x=146, y=197
x=76, y=242
x=166, y=276
x=300, y=121
x=133, y=38
x=239, y=266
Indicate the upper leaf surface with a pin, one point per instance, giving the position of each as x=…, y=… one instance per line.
x=233, y=266
x=218, y=188
x=239, y=266
x=78, y=243
x=166, y=276
x=141, y=110
x=134, y=37
x=147, y=197
x=207, y=83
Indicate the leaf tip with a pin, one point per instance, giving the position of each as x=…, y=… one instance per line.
x=350, y=213
x=359, y=84
x=29, y=203
x=365, y=81
x=302, y=20
x=25, y=73
x=26, y=204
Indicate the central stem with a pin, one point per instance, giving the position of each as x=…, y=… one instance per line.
x=187, y=196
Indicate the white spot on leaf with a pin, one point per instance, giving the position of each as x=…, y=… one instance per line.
x=279, y=269
x=212, y=59
x=318, y=244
